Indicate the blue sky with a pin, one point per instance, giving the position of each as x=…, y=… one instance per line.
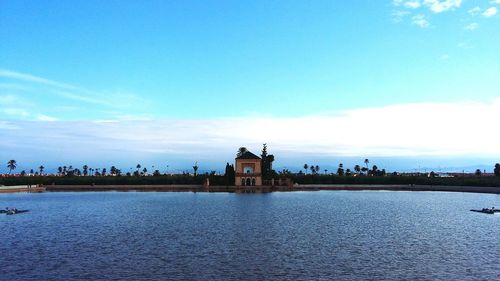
x=186, y=75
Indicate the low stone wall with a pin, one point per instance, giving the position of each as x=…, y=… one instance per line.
x=258, y=189
x=476, y=189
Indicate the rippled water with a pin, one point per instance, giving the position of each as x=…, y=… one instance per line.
x=279, y=236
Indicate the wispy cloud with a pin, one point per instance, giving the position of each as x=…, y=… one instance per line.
x=39, y=88
x=472, y=26
x=490, y=12
x=412, y=4
x=420, y=20
x=398, y=15
x=474, y=11
x=422, y=8
x=422, y=129
x=438, y=6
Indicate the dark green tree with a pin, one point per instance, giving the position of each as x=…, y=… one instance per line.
x=267, y=163
x=340, y=170
x=41, y=168
x=364, y=170
x=12, y=165
x=195, y=168
x=229, y=174
x=357, y=169
x=241, y=151
x=306, y=167
x=497, y=169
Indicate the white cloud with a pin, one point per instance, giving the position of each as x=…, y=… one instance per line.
x=97, y=101
x=420, y=20
x=490, y=12
x=42, y=117
x=412, y=4
x=438, y=6
x=495, y=2
x=15, y=112
x=4, y=125
x=472, y=26
x=422, y=129
x=474, y=11
x=397, y=2
x=397, y=16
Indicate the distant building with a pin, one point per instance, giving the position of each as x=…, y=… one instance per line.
x=248, y=170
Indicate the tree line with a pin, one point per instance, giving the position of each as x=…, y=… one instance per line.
x=229, y=174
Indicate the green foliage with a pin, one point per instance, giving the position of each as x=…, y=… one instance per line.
x=267, y=163
x=104, y=180
x=241, y=151
x=229, y=175
x=394, y=179
x=11, y=165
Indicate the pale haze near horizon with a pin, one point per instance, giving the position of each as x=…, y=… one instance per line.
x=408, y=84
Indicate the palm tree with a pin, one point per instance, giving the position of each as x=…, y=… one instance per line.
x=306, y=167
x=138, y=167
x=41, y=169
x=144, y=171
x=313, y=169
x=366, y=163
x=357, y=169
x=195, y=168
x=113, y=170
x=340, y=170
x=85, y=170
x=11, y=165
x=496, y=171
x=317, y=169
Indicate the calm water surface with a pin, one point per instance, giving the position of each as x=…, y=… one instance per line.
x=280, y=236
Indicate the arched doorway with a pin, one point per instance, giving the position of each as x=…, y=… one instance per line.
x=253, y=181
x=249, y=181
x=243, y=181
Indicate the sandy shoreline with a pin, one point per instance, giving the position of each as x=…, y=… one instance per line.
x=311, y=187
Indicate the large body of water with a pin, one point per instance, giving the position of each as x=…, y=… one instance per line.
x=277, y=236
